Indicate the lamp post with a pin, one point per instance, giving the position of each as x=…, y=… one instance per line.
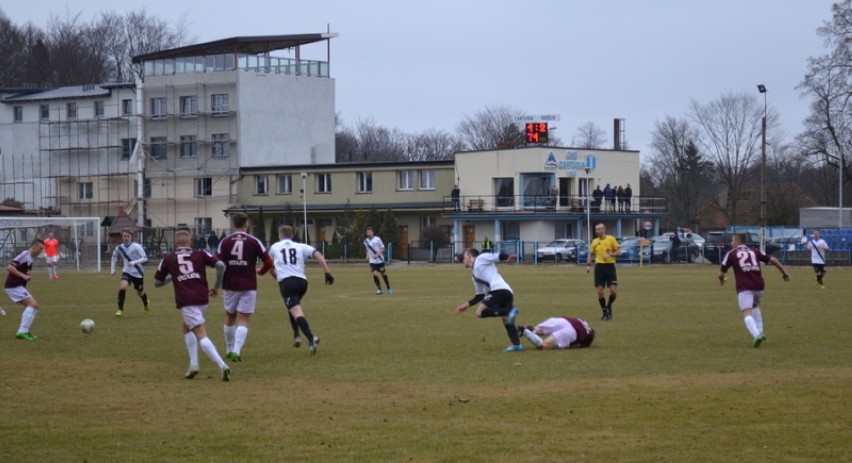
x=762, y=89
x=588, y=209
x=304, y=209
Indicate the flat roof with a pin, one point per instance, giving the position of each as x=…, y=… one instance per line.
x=249, y=45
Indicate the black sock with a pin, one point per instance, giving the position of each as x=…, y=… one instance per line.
x=144, y=298
x=387, y=283
x=294, y=325
x=512, y=331
x=489, y=312
x=611, y=300
x=303, y=324
x=376, y=281
x=602, y=302
x=121, y=294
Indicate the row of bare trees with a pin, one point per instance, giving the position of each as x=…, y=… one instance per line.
x=71, y=52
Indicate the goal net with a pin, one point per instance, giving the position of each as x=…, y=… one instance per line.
x=81, y=239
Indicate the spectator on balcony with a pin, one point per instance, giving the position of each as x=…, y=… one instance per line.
x=609, y=196
x=628, y=196
x=598, y=195
x=456, y=196
x=619, y=194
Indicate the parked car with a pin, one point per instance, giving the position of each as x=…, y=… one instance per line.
x=559, y=250
x=633, y=248
x=582, y=251
x=687, y=251
x=719, y=243
x=789, y=243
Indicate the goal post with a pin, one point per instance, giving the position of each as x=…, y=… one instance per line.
x=81, y=239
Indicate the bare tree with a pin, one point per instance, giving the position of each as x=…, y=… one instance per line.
x=589, y=136
x=679, y=170
x=491, y=128
x=827, y=138
x=432, y=145
x=729, y=129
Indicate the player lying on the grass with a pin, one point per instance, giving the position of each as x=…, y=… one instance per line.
x=559, y=333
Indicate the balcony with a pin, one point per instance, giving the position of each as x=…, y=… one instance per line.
x=548, y=204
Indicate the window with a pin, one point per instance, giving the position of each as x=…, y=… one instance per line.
x=19, y=113
x=99, y=109
x=203, y=226
x=127, y=145
x=188, y=146
x=44, y=112
x=511, y=231
x=158, y=108
x=159, y=148
x=323, y=183
x=86, y=190
x=219, y=104
x=221, y=145
x=365, y=182
x=188, y=106
x=427, y=179
x=285, y=185
x=126, y=107
x=71, y=110
x=261, y=184
x=146, y=187
x=204, y=186
x=429, y=221
x=505, y=191
x=406, y=180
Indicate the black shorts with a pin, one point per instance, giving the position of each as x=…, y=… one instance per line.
x=380, y=267
x=292, y=290
x=499, y=299
x=819, y=268
x=605, y=275
x=138, y=283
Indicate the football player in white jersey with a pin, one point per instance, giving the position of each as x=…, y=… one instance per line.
x=493, y=294
x=376, y=258
x=289, y=258
x=134, y=256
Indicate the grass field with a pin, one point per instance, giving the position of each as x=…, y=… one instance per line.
x=402, y=378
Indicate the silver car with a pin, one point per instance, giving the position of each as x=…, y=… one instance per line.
x=559, y=250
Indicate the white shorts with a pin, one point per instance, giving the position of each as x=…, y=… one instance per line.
x=560, y=329
x=749, y=299
x=18, y=293
x=239, y=301
x=52, y=260
x=193, y=315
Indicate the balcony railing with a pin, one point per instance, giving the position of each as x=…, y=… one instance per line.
x=567, y=204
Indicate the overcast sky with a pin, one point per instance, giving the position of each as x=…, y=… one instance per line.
x=425, y=65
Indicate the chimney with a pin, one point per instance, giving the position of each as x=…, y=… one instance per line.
x=618, y=134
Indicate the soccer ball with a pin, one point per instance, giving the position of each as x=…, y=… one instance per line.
x=87, y=325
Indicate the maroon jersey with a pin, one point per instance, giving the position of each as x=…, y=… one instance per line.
x=24, y=263
x=585, y=333
x=240, y=253
x=189, y=277
x=746, y=264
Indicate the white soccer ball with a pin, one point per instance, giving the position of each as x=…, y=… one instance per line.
x=804, y=240
x=87, y=325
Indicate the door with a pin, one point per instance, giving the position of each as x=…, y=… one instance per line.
x=403, y=241
x=320, y=233
x=469, y=232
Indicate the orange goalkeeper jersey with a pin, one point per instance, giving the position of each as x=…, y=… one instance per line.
x=51, y=247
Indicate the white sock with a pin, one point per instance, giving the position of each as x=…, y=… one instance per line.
x=751, y=326
x=534, y=338
x=27, y=319
x=210, y=351
x=758, y=319
x=192, y=348
x=229, y=338
x=240, y=338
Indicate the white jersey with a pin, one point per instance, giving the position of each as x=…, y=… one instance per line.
x=375, y=249
x=485, y=276
x=289, y=258
x=818, y=248
x=134, y=256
